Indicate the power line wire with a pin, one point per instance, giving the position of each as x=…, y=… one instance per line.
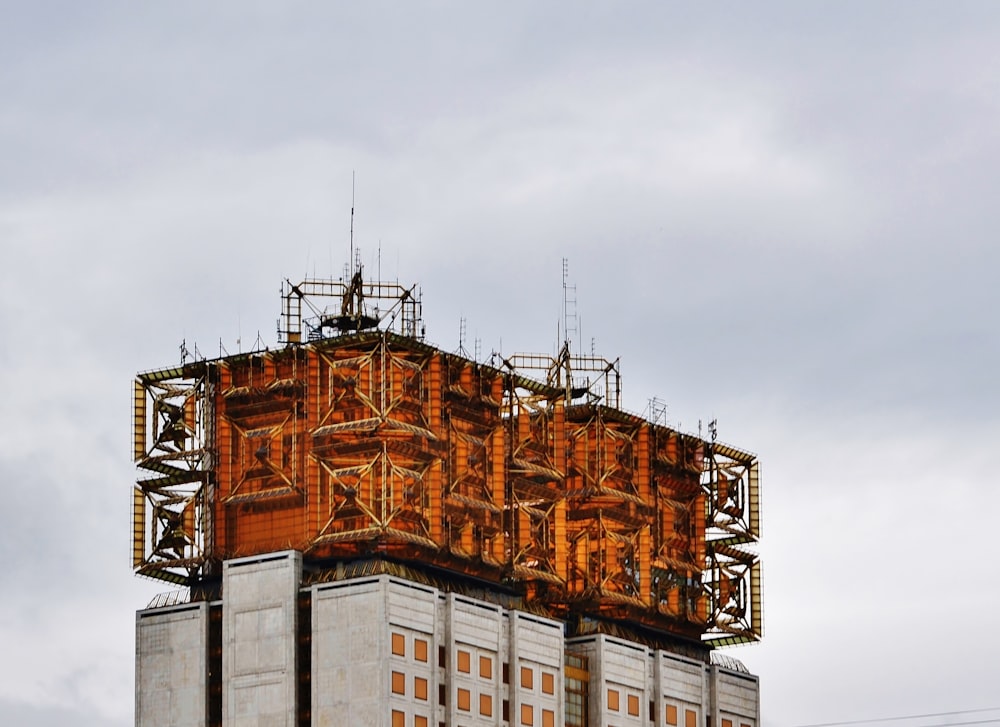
x=912, y=716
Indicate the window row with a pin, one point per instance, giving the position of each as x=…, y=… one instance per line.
x=419, y=647
x=631, y=702
x=399, y=685
x=690, y=716
x=399, y=719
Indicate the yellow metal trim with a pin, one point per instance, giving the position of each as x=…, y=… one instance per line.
x=138, y=526
x=139, y=411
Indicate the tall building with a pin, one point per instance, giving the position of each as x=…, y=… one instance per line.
x=368, y=530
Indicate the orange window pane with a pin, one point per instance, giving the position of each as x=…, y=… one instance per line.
x=420, y=688
x=690, y=718
x=527, y=715
x=464, y=700
x=398, y=718
x=727, y=723
x=744, y=724
x=485, y=667
x=419, y=721
x=527, y=678
x=463, y=662
x=548, y=718
x=486, y=705
x=398, y=682
x=633, y=706
x=671, y=714
x=420, y=650
x=548, y=683
x=399, y=645
x=613, y=700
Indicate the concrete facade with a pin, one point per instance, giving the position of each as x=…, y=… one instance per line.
x=171, y=669
x=259, y=632
x=385, y=651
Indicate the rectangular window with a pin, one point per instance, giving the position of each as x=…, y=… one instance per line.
x=441, y=656
x=613, y=700
x=442, y=694
x=419, y=721
x=420, y=650
x=506, y=673
x=548, y=683
x=485, y=667
x=486, y=705
x=464, y=700
x=463, y=662
x=690, y=718
x=633, y=706
x=527, y=678
x=398, y=682
x=398, y=718
x=548, y=718
x=398, y=645
x=671, y=714
x=527, y=715
x=420, y=688
x=727, y=723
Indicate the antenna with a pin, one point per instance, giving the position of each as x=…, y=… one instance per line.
x=568, y=304
x=461, y=336
x=350, y=260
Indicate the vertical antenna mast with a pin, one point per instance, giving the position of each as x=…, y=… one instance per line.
x=569, y=305
x=350, y=260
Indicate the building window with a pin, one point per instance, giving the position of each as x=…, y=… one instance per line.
x=464, y=700
x=420, y=688
x=577, y=685
x=398, y=644
x=442, y=695
x=671, y=712
x=506, y=673
x=744, y=724
x=633, y=706
x=527, y=715
x=398, y=682
x=441, y=656
x=420, y=650
x=486, y=705
x=527, y=678
x=398, y=718
x=727, y=722
x=463, y=662
x=548, y=718
x=690, y=718
x=419, y=721
x=548, y=683
x=485, y=667
x=613, y=700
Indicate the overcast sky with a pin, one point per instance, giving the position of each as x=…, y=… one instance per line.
x=780, y=215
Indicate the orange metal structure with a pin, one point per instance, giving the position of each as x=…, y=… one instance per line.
x=363, y=441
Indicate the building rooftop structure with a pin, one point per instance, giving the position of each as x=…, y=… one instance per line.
x=357, y=439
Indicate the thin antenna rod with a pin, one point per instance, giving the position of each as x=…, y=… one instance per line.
x=351, y=259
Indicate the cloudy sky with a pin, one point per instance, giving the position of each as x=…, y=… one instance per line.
x=780, y=215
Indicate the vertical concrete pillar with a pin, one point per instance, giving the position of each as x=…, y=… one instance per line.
x=259, y=629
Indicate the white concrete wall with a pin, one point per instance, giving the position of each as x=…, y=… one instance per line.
x=681, y=690
x=536, y=649
x=735, y=698
x=171, y=672
x=475, y=655
x=619, y=670
x=259, y=631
